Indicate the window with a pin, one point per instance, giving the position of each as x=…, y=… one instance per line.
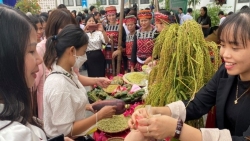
x=133, y=1
x=103, y=2
x=78, y=2
x=243, y=1
x=113, y=2
x=68, y=2
x=144, y=1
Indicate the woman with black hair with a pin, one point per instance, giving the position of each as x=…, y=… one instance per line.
x=228, y=90
x=205, y=21
x=112, y=30
x=18, y=66
x=38, y=22
x=65, y=98
x=97, y=37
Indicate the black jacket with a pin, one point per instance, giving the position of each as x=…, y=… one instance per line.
x=215, y=93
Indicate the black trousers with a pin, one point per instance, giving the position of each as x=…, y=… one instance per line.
x=95, y=63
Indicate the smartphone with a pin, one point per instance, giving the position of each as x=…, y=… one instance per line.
x=93, y=27
x=57, y=138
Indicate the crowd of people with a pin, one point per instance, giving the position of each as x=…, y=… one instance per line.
x=42, y=93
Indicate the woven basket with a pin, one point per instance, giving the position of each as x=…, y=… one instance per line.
x=116, y=139
x=110, y=122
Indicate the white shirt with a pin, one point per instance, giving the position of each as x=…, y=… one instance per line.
x=180, y=16
x=185, y=18
x=17, y=131
x=95, y=40
x=82, y=26
x=64, y=103
x=221, y=20
x=126, y=29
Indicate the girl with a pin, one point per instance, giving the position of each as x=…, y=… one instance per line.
x=57, y=20
x=228, y=90
x=97, y=37
x=112, y=30
x=38, y=22
x=18, y=66
x=65, y=98
x=143, y=41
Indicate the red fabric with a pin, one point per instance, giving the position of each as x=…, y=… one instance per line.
x=211, y=118
x=113, y=34
x=159, y=17
x=145, y=47
x=129, y=46
x=101, y=136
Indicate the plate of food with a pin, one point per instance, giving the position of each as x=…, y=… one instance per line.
x=138, y=78
x=116, y=124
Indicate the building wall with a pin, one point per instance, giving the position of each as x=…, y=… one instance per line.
x=229, y=4
x=51, y=4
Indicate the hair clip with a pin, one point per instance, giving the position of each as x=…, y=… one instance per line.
x=54, y=38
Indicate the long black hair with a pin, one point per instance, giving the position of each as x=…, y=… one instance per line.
x=15, y=29
x=71, y=35
x=90, y=16
x=205, y=9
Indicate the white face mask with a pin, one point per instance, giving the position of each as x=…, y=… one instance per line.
x=80, y=60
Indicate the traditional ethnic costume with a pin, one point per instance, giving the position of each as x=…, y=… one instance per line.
x=143, y=43
x=129, y=39
x=113, y=31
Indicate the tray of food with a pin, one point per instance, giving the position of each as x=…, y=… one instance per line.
x=116, y=124
x=138, y=78
x=116, y=139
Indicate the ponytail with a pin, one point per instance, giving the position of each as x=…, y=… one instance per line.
x=50, y=53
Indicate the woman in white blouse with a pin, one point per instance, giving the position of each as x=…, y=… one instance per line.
x=97, y=37
x=18, y=64
x=65, y=99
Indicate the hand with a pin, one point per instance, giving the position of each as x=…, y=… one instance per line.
x=148, y=60
x=158, y=127
x=76, y=70
x=86, y=28
x=142, y=112
x=116, y=53
x=106, y=112
x=152, y=64
x=89, y=108
x=67, y=139
x=135, y=135
x=100, y=27
x=102, y=82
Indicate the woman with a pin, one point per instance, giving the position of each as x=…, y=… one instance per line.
x=161, y=20
x=57, y=20
x=19, y=64
x=143, y=41
x=130, y=22
x=228, y=90
x=38, y=22
x=97, y=16
x=65, y=98
x=97, y=37
x=112, y=30
x=205, y=21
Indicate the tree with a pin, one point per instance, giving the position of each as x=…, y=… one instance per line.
x=193, y=3
x=31, y=6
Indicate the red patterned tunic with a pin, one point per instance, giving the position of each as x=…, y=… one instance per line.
x=113, y=30
x=129, y=46
x=142, y=47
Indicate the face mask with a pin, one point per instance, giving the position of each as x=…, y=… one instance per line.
x=80, y=60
